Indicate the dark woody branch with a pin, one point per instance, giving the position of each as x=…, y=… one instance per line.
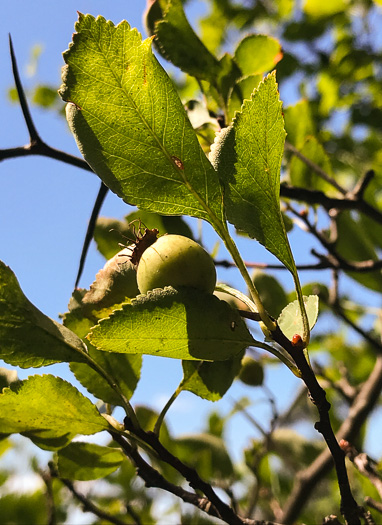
x=307, y=480
x=153, y=478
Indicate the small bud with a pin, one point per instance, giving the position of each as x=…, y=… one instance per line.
x=296, y=340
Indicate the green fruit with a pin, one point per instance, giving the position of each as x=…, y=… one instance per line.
x=251, y=372
x=114, y=283
x=174, y=260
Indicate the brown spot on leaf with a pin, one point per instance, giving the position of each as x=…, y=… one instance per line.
x=178, y=163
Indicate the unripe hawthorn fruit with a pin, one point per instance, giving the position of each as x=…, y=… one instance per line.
x=115, y=282
x=174, y=260
x=251, y=372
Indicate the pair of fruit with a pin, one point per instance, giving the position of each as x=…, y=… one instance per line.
x=171, y=260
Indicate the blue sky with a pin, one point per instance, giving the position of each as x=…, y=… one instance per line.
x=45, y=206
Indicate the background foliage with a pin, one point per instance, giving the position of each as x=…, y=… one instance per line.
x=327, y=61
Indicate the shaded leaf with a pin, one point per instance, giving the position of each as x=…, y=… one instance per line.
x=178, y=43
x=28, y=338
x=299, y=123
x=272, y=294
x=48, y=410
x=302, y=175
x=109, y=234
x=245, y=87
x=85, y=461
x=131, y=126
x=290, y=320
x=247, y=156
x=182, y=324
x=207, y=454
x=355, y=244
x=124, y=369
x=209, y=380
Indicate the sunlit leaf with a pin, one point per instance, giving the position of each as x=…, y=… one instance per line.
x=131, y=126
x=247, y=156
x=123, y=369
x=49, y=410
x=320, y=9
x=182, y=324
x=290, y=320
x=257, y=54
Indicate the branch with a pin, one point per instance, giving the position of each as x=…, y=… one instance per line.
x=153, y=478
x=224, y=511
x=88, y=505
x=360, y=409
x=102, y=192
x=49, y=497
x=349, y=507
x=364, y=464
x=314, y=167
x=318, y=197
x=37, y=146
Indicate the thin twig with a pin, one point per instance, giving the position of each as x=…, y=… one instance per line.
x=364, y=464
x=225, y=512
x=309, y=196
x=153, y=478
x=37, y=146
x=50, y=506
x=88, y=505
x=102, y=192
x=314, y=167
x=373, y=504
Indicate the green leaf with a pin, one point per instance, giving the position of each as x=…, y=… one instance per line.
x=124, y=369
x=85, y=461
x=272, y=294
x=28, y=338
x=131, y=126
x=302, y=175
x=299, y=123
x=245, y=86
x=175, y=225
x=257, y=54
x=355, y=244
x=110, y=233
x=182, y=324
x=318, y=9
x=206, y=453
x=48, y=410
x=178, y=43
x=209, y=380
x=247, y=156
x=290, y=321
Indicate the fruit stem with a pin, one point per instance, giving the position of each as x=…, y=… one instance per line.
x=232, y=248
